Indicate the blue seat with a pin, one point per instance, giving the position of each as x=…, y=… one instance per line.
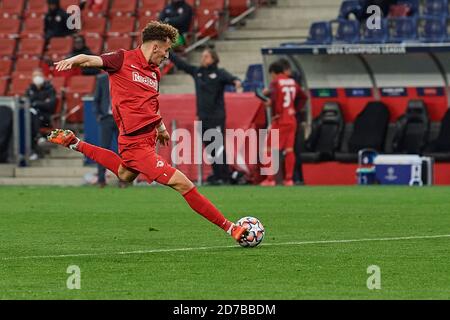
x=319, y=33
x=404, y=29
x=413, y=4
x=254, y=78
x=376, y=35
x=347, y=31
x=436, y=8
x=434, y=29
x=350, y=6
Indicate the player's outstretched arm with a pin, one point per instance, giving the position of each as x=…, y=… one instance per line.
x=81, y=60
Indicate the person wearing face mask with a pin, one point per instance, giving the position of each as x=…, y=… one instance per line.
x=179, y=15
x=42, y=97
x=79, y=47
x=210, y=82
x=56, y=21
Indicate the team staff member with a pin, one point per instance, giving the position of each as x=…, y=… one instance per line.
x=210, y=82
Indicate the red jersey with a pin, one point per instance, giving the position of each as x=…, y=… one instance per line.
x=134, y=86
x=284, y=91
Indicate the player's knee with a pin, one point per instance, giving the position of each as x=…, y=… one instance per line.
x=126, y=175
x=180, y=183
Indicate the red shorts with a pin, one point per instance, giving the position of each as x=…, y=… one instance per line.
x=287, y=131
x=138, y=154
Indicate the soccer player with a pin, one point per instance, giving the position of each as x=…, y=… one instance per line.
x=134, y=82
x=283, y=92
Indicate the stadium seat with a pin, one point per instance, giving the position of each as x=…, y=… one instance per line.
x=433, y=29
x=319, y=33
x=116, y=43
x=19, y=86
x=7, y=47
x=326, y=134
x=11, y=8
x=376, y=35
x=254, y=78
x=350, y=6
x=404, y=29
x=93, y=26
x=399, y=10
x=77, y=87
x=9, y=27
x=96, y=8
x=150, y=8
x=436, y=8
x=121, y=25
x=144, y=20
x=368, y=132
x=5, y=67
x=64, y=4
x=59, y=47
x=36, y=8
x=439, y=148
x=26, y=65
x=237, y=7
x=58, y=83
x=347, y=31
x=31, y=47
x=95, y=44
x=3, y=86
x=412, y=129
x=32, y=27
x=207, y=23
x=210, y=6
x=123, y=7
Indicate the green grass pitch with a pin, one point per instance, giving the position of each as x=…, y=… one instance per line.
x=146, y=243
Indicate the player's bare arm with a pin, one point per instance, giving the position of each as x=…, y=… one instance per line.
x=81, y=60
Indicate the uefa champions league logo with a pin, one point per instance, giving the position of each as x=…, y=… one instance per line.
x=391, y=174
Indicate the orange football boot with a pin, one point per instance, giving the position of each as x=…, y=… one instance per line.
x=64, y=138
x=237, y=232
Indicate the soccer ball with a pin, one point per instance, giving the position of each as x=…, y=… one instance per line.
x=255, y=232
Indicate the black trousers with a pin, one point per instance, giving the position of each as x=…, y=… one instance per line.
x=220, y=170
x=299, y=143
x=108, y=131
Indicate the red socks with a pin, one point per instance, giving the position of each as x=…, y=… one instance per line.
x=204, y=207
x=289, y=164
x=104, y=157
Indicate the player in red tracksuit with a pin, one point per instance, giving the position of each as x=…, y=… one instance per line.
x=283, y=92
x=134, y=81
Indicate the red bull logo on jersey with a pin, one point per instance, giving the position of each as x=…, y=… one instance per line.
x=145, y=80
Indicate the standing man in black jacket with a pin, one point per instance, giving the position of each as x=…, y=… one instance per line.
x=210, y=82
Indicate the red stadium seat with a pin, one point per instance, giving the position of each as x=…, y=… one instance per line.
x=31, y=47
x=144, y=20
x=116, y=43
x=237, y=7
x=96, y=8
x=64, y=4
x=207, y=24
x=33, y=27
x=36, y=8
x=3, y=85
x=121, y=26
x=7, y=47
x=58, y=83
x=93, y=26
x=26, y=65
x=192, y=3
x=5, y=67
x=211, y=6
x=19, y=86
x=95, y=44
x=59, y=47
x=151, y=8
x=9, y=27
x=77, y=87
x=123, y=7
x=11, y=8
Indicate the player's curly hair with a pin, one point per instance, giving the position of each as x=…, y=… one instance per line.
x=159, y=31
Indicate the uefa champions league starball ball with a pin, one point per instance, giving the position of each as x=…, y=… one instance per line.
x=255, y=233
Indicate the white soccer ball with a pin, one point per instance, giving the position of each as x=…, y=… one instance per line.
x=255, y=232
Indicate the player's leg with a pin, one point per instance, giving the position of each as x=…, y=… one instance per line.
x=269, y=181
x=200, y=204
x=104, y=157
x=289, y=155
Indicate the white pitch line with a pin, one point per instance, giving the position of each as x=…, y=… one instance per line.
x=299, y=243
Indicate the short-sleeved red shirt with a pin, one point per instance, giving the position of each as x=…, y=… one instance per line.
x=284, y=92
x=134, y=86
